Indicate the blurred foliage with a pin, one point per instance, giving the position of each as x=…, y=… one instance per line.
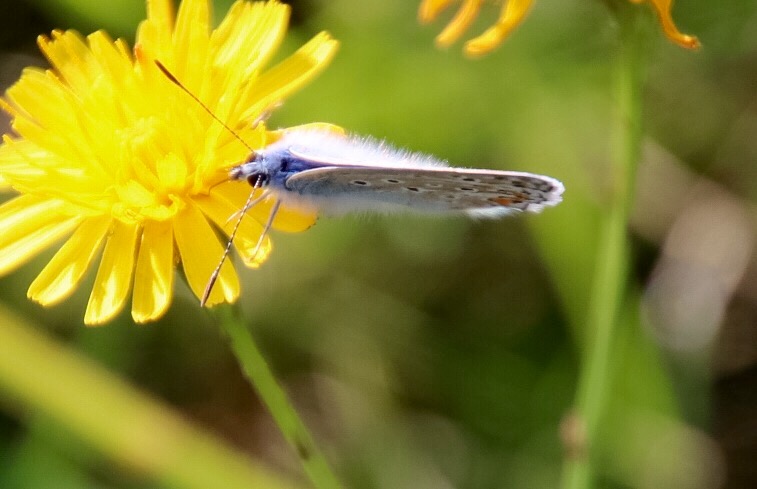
x=444, y=353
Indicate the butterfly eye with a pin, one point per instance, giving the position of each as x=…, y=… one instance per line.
x=258, y=179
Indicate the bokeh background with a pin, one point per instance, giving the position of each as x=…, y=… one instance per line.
x=440, y=353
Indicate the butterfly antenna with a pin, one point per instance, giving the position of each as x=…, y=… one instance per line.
x=250, y=200
x=176, y=82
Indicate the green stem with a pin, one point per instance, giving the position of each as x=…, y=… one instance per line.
x=257, y=371
x=611, y=269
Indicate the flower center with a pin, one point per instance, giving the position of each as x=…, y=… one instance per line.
x=151, y=181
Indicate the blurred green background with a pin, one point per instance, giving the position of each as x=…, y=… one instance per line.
x=436, y=353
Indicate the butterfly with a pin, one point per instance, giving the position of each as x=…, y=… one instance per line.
x=335, y=174
x=321, y=170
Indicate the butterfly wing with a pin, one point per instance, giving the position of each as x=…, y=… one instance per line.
x=481, y=193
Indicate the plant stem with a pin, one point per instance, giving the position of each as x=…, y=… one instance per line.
x=256, y=369
x=611, y=269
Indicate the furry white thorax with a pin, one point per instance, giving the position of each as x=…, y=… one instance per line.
x=335, y=149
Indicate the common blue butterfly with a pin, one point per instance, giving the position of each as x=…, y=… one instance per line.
x=324, y=171
x=337, y=174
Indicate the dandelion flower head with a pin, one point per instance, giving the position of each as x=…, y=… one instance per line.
x=122, y=171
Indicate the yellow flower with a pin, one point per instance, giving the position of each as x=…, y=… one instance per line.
x=512, y=14
x=112, y=159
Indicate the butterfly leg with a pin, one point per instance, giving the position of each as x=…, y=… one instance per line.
x=267, y=227
x=250, y=202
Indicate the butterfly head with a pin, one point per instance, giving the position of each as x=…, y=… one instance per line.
x=254, y=170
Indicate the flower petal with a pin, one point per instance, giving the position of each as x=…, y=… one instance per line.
x=190, y=39
x=663, y=8
x=513, y=13
x=26, y=219
x=16, y=252
x=25, y=213
x=429, y=9
x=459, y=23
x=54, y=108
x=69, y=54
x=200, y=251
x=64, y=272
x=113, y=281
x=224, y=213
x=154, y=35
x=288, y=219
x=249, y=36
x=153, y=279
x=288, y=76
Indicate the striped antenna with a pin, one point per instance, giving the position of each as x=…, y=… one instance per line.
x=250, y=200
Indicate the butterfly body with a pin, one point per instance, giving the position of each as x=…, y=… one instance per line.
x=337, y=174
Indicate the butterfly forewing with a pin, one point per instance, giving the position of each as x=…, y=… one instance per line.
x=434, y=189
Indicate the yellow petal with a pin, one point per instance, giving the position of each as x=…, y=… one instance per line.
x=154, y=35
x=224, y=213
x=69, y=54
x=274, y=136
x=17, y=252
x=23, y=215
x=244, y=50
x=153, y=279
x=23, y=218
x=459, y=23
x=663, y=8
x=288, y=219
x=292, y=220
x=429, y=9
x=30, y=168
x=64, y=272
x=160, y=12
x=113, y=281
x=513, y=13
x=288, y=76
x=200, y=251
x=115, y=62
x=39, y=94
x=54, y=108
x=191, y=36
